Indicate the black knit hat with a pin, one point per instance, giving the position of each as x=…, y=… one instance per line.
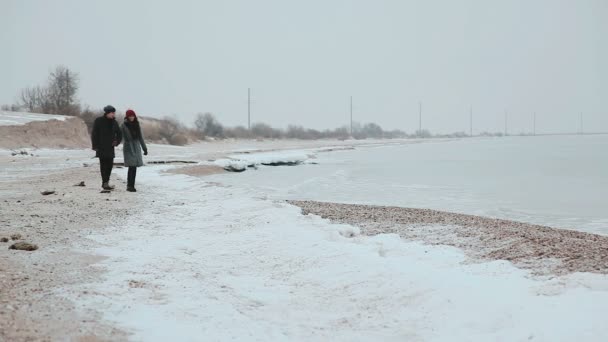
x=109, y=109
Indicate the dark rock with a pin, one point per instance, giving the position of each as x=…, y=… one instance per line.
x=105, y=191
x=170, y=162
x=80, y=184
x=47, y=192
x=4, y=239
x=16, y=237
x=23, y=246
x=231, y=168
x=281, y=163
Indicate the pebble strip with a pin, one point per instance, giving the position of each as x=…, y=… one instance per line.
x=543, y=250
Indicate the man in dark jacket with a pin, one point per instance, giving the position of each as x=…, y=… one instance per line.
x=105, y=136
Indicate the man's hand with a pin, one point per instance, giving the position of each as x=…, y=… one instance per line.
x=114, y=143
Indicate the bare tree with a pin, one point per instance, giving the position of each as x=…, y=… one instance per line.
x=372, y=130
x=172, y=131
x=262, y=130
x=341, y=133
x=207, y=125
x=58, y=97
x=35, y=99
x=238, y=132
x=169, y=127
x=29, y=99
x=62, y=89
x=425, y=133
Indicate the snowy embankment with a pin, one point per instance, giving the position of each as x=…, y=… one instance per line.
x=20, y=130
x=209, y=262
x=21, y=118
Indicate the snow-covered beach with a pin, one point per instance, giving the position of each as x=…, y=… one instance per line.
x=307, y=171
x=199, y=256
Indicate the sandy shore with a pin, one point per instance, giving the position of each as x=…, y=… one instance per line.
x=31, y=283
x=544, y=250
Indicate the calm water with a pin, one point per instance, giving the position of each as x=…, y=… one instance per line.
x=561, y=181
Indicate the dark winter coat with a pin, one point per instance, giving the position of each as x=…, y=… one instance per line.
x=105, y=135
x=133, y=143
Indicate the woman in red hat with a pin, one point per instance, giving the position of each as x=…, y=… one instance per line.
x=133, y=144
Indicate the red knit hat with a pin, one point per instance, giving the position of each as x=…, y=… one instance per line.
x=130, y=112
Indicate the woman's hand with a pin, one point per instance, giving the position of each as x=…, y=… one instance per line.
x=145, y=152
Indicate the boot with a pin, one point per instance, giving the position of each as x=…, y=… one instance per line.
x=131, y=189
x=107, y=186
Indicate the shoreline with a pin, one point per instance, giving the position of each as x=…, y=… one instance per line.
x=541, y=249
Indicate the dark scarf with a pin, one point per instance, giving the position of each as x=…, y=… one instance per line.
x=134, y=128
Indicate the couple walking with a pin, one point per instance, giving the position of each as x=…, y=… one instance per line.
x=106, y=135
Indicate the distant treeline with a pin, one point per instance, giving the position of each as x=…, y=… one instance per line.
x=59, y=96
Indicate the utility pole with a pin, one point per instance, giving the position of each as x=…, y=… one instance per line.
x=420, y=117
x=582, y=123
x=351, y=116
x=506, y=127
x=471, y=128
x=249, y=109
x=534, y=126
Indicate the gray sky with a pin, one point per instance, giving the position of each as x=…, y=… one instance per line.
x=304, y=59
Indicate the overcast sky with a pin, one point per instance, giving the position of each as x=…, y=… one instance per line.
x=304, y=59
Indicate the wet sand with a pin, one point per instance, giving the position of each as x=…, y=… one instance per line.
x=198, y=170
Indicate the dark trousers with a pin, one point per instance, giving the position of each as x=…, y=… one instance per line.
x=131, y=176
x=105, y=166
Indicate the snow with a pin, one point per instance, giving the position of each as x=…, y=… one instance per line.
x=272, y=157
x=240, y=162
x=218, y=263
x=232, y=165
x=21, y=118
x=42, y=162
